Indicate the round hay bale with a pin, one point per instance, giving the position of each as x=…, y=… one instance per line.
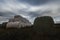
x=43, y=24
x=12, y=25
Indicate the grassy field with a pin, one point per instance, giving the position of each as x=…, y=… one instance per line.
x=27, y=33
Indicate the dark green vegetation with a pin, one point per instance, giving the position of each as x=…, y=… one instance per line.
x=3, y=25
x=43, y=29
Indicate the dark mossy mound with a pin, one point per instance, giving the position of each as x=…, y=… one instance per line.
x=43, y=23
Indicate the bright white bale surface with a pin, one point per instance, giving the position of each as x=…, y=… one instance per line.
x=17, y=24
x=12, y=24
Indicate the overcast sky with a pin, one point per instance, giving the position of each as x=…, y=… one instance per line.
x=29, y=9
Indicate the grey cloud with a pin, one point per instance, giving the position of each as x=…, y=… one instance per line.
x=34, y=2
x=37, y=2
x=3, y=19
x=11, y=7
x=39, y=13
x=6, y=14
x=33, y=14
x=1, y=1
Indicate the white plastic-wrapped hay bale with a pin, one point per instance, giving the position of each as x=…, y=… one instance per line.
x=22, y=24
x=18, y=22
x=12, y=25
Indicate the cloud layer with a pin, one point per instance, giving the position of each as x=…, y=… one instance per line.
x=29, y=9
